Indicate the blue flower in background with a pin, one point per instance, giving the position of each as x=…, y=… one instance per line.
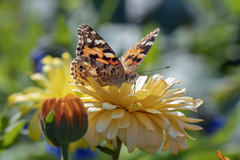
x=84, y=154
x=214, y=123
x=37, y=55
x=55, y=151
x=78, y=154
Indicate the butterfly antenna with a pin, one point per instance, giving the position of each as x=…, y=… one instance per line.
x=155, y=69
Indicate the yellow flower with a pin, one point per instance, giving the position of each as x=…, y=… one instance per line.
x=143, y=115
x=53, y=82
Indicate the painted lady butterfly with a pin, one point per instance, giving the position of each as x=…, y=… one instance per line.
x=95, y=58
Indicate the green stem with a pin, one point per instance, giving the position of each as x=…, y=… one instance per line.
x=65, y=151
x=117, y=150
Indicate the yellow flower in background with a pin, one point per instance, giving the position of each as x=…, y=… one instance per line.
x=54, y=82
x=145, y=115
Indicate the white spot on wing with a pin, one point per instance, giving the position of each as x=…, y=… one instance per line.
x=97, y=42
x=143, y=42
x=149, y=43
x=89, y=40
x=93, y=32
x=109, y=55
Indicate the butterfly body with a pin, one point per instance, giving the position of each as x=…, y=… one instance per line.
x=95, y=58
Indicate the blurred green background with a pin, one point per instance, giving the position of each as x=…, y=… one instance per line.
x=200, y=40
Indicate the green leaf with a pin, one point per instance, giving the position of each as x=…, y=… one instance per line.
x=106, y=150
x=3, y=120
x=11, y=133
x=50, y=116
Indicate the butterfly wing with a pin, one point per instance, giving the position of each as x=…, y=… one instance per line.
x=133, y=57
x=95, y=58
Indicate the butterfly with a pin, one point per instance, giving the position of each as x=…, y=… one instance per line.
x=95, y=58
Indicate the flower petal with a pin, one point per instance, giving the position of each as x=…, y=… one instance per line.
x=144, y=120
x=128, y=100
x=34, y=130
x=117, y=113
x=135, y=107
x=142, y=94
x=142, y=138
x=108, y=106
x=132, y=134
x=125, y=90
x=115, y=95
x=139, y=83
x=104, y=121
x=124, y=121
x=112, y=130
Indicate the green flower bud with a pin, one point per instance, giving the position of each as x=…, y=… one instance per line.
x=63, y=120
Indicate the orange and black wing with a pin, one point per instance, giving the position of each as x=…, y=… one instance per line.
x=133, y=57
x=95, y=58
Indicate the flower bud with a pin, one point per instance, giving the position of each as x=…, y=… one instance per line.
x=63, y=120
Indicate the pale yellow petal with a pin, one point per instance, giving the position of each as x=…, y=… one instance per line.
x=94, y=83
x=190, y=126
x=135, y=107
x=92, y=122
x=95, y=109
x=153, y=138
x=84, y=90
x=122, y=135
x=191, y=120
x=128, y=100
x=177, y=132
x=158, y=87
x=165, y=120
x=152, y=110
x=112, y=130
x=173, y=145
x=139, y=83
x=132, y=133
x=144, y=120
x=159, y=122
x=142, y=139
x=124, y=121
x=117, y=113
x=198, y=102
x=174, y=94
x=95, y=140
x=125, y=90
x=155, y=77
x=142, y=94
x=171, y=133
x=170, y=82
x=104, y=121
x=152, y=150
x=115, y=95
x=92, y=104
x=182, y=142
x=147, y=85
x=108, y=106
